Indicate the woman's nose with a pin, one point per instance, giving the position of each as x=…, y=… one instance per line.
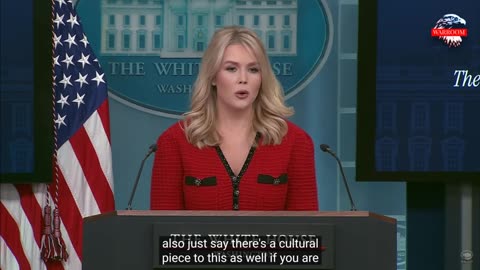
x=242, y=77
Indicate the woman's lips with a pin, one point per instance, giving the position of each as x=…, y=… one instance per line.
x=242, y=94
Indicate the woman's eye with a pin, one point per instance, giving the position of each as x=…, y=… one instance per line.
x=254, y=70
x=231, y=68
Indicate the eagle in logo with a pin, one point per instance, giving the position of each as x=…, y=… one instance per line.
x=451, y=21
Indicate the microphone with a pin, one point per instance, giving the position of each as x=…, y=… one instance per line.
x=151, y=149
x=326, y=148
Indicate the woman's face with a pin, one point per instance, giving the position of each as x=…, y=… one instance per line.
x=238, y=79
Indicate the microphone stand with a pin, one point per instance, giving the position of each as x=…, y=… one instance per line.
x=326, y=148
x=152, y=149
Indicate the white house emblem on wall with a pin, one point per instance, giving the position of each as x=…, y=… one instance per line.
x=151, y=49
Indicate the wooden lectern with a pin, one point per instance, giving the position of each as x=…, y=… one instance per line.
x=129, y=239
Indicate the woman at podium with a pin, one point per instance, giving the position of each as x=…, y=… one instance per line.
x=235, y=148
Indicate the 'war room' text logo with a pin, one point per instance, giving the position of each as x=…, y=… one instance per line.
x=450, y=29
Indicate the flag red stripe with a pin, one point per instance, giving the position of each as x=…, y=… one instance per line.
x=32, y=210
x=71, y=217
x=92, y=170
x=103, y=113
x=11, y=234
x=54, y=265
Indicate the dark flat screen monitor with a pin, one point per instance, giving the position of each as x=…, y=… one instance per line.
x=26, y=130
x=418, y=90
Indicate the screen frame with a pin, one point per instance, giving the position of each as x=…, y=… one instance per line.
x=366, y=110
x=43, y=134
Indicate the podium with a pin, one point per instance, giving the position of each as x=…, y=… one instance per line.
x=128, y=239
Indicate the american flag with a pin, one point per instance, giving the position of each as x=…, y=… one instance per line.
x=83, y=180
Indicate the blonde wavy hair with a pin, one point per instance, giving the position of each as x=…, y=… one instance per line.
x=270, y=110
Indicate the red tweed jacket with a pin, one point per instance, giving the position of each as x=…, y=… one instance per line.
x=274, y=177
